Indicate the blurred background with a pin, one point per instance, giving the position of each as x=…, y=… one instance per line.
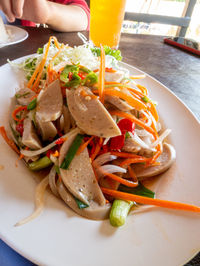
x=174, y=8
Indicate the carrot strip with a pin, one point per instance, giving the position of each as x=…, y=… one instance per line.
x=155, y=156
x=143, y=89
x=132, y=174
x=136, y=120
x=121, y=180
x=112, y=83
x=36, y=82
x=56, y=42
x=34, y=76
x=17, y=110
x=102, y=75
x=97, y=149
x=150, y=201
x=153, y=110
x=9, y=141
x=133, y=101
x=135, y=91
x=125, y=154
x=134, y=160
x=84, y=145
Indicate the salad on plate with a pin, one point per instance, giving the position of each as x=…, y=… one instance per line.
x=95, y=130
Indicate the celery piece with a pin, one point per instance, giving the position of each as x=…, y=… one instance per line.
x=42, y=163
x=119, y=212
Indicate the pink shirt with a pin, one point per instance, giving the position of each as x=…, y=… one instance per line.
x=80, y=3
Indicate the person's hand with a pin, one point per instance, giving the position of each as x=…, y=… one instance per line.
x=33, y=10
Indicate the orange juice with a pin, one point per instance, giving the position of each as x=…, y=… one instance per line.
x=106, y=17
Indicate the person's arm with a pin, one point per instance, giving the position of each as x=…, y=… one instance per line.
x=66, y=17
x=59, y=17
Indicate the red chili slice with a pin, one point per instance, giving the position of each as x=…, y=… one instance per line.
x=126, y=125
x=117, y=143
x=20, y=128
x=81, y=75
x=60, y=141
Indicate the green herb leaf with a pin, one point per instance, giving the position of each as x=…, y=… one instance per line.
x=32, y=104
x=72, y=151
x=76, y=80
x=145, y=99
x=139, y=190
x=108, y=51
x=68, y=68
x=40, y=51
x=81, y=205
x=91, y=79
x=85, y=69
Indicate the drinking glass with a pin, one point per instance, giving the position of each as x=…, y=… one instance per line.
x=106, y=17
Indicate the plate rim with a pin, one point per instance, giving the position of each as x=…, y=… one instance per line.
x=13, y=28
x=10, y=242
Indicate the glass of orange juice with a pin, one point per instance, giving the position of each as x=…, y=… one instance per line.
x=106, y=17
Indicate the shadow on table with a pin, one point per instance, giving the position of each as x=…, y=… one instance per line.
x=8, y=257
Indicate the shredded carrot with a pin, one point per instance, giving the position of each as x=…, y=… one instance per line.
x=84, y=145
x=133, y=101
x=33, y=76
x=102, y=74
x=56, y=42
x=143, y=89
x=132, y=174
x=97, y=149
x=136, y=120
x=95, y=70
x=135, y=91
x=121, y=180
x=155, y=156
x=21, y=156
x=150, y=201
x=112, y=83
x=153, y=110
x=125, y=154
x=134, y=160
x=55, y=154
x=42, y=63
x=138, y=76
x=16, y=111
x=9, y=141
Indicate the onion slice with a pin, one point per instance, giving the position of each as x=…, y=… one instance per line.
x=109, y=168
x=103, y=158
x=39, y=201
x=52, y=181
x=161, y=138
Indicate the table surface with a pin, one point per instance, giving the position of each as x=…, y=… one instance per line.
x=176, y=69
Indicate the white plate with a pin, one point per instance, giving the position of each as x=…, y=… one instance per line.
x=60, y=237
x=16, y=35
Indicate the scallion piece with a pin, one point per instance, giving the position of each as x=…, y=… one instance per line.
x=81, y=205
x=145, y=99
x=72, y=151
x=32, y=104
x=42, y=163
x=119, y=212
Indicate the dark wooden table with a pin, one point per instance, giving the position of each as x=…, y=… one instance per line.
x=176, y=69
